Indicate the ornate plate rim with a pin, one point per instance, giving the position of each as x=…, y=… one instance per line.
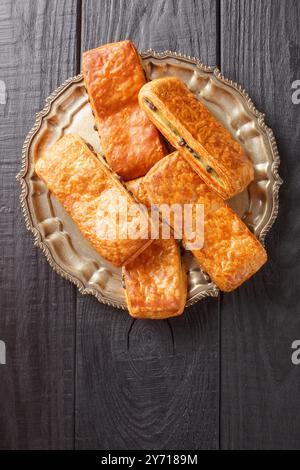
x=212, y=291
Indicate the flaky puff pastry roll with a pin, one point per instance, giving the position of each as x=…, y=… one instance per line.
x=113, y=76
x=230, y=253
x=89, y=191
x=206, y=144
x=155, y=282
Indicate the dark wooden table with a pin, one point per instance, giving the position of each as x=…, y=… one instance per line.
x=82, y=375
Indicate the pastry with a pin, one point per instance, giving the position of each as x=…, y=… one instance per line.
x=136, y=188
x=230, y=253
x=205, y=143
x=155, y=282
x=113, y=76
x=92, y=194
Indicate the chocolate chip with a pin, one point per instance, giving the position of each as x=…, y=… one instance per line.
x=195, y=154
x=95, y=127
x=90, y=147
x=209, y=169
x=181, y=142
x=150, y=105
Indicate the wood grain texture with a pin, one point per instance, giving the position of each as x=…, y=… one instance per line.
x=146, y=384
x=260, y=405
x=182, y=26
x=37, y=311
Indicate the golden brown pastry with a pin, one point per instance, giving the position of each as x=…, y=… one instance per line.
x=230, y=253
x=206, y=144
x=113, y=76
x=89, y=191
x=155, y=282
x=136, y=188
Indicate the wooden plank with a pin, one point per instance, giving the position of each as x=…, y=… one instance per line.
x=146, y=384
x=37, y=320
x=187, y=27
x=260, y=47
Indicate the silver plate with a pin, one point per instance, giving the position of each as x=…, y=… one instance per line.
x=67, y=111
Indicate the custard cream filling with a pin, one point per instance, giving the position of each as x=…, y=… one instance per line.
x=161, y=118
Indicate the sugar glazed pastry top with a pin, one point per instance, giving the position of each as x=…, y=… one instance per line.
x=113, y=76
x=205, y=143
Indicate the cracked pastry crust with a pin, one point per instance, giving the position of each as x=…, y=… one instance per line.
x=230, y=253
x=88, y=190
x=155, y=282
x=113, y=76
x=188, y=125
